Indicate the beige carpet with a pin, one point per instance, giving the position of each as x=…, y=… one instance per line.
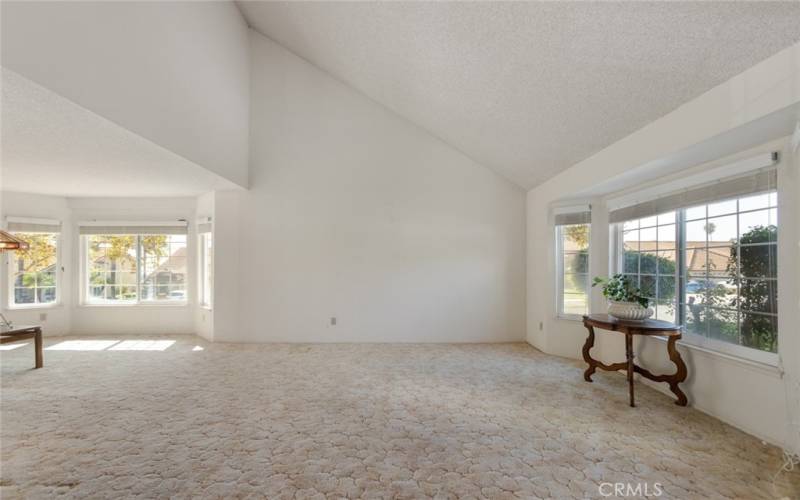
x=373, y=421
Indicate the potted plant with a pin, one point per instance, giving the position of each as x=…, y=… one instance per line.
x=625, y=300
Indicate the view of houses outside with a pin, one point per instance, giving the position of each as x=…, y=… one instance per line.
x=33, y=271
x=730, y=268
x=130, y=268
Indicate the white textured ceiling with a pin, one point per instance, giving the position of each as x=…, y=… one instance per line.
x=529, y=89
x=51, y=145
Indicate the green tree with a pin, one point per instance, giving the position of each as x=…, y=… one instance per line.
x=756, y=294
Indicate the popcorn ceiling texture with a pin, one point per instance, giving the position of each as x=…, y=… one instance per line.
x=530, y=88
x=54, y=146
x=354, y=420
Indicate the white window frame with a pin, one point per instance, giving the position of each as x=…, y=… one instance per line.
x=84, y=281
x=202, y=267
x=560, y=314
x=690, y=338
x=10, y=304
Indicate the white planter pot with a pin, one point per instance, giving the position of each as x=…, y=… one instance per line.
x=629, y=310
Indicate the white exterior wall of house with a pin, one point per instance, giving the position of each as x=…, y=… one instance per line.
x=747, y=395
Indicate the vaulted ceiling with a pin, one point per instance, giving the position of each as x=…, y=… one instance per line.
x=53, y=146
x=529, y=89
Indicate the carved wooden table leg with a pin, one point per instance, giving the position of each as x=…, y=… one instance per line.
x=587, y=375
x=681, y=372
x=629, y=358
x=37, y=341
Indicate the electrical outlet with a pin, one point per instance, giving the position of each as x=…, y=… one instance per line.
x=541, y=326
x=333, y=320
x=42, y=316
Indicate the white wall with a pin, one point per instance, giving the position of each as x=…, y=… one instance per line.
x=354, y=212
x=71, y=317
x=748, y=396
x=176, y=73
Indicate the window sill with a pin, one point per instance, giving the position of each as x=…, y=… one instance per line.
x=137, y=304
x=33, y=307
x=570, y=317
x=769, y=368
x=206, y=307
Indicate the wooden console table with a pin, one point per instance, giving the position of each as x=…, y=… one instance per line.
x=17, y=333
x=648, y=327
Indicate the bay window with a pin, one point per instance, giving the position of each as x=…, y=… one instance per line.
x=710, y=263
x=33, y=273
x=572, y=261
x=134, y=265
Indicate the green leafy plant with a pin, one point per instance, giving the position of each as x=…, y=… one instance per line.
x=621, y=289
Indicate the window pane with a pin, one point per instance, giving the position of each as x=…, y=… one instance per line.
x=759, y=261
x=722, y=261
x=759, y=295
x=753, y=224
x=631, y=224
x=666, y=262
x=667, y=218
x=24, y=295
x=759, y=331
x=647, y=239
x=164, y=266
x=696, y=232
x=576, y=237
x=721, y=230
x=648, y=285
x=698, y=212
x=754, y=202
x=631, y=262
x=647, y=263
x=665, y=310
x=666, y=237
x=575, y=299
x=576, y=262
x=35, y=268
x=46, y=294
x=722, y=325
x=666, y=288
x=648, y=221
x=695, y=289
x=721, y=293
x=631, y=240
x=722, y=208
x=695, y=315
x=696, y=259
x=112, y=260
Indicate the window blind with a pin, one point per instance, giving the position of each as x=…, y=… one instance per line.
x=178, y=227
x=20, y=225
x=753, y=183
x=565, y=217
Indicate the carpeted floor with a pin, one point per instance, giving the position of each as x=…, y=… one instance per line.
x=152, y=419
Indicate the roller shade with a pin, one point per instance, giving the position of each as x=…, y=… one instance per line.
x=573, y=218
x=565, y=216
x=20, y=225
x=178, y=227
x=754, y=183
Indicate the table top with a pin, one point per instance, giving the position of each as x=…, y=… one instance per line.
x=4, y=330
x=643, y=327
